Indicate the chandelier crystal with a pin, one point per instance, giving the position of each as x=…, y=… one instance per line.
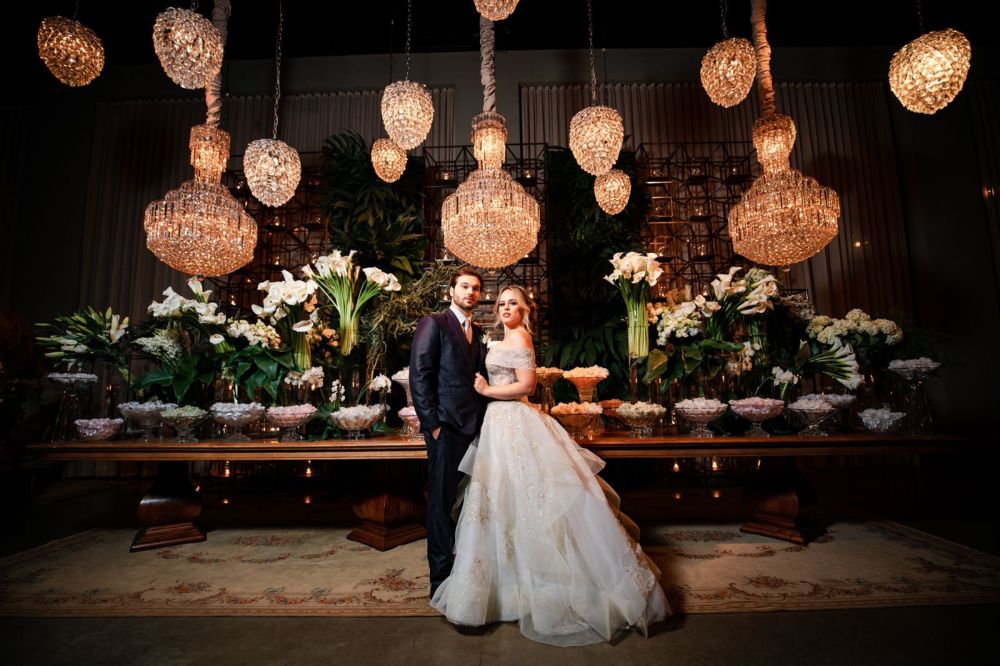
x=595, y=137
x=199, y=228
x=407, y=113
x=728, y=70
x=189, y=47
x=495, y=10
x=388, y=160
x=273, y=170
x=72, y=51
x=927, y=74
x=785, y=217
x=612, y=191
x=490, y=221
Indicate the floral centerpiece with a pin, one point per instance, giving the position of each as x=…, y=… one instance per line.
x=871, y=339
x=291, y=304
x=338, y=278
x=634, y=274
x=87, y=335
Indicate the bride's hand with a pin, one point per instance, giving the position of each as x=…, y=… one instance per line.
x=481, y=384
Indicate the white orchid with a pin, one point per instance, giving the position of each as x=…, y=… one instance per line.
x=380, y=383
x=784, y=377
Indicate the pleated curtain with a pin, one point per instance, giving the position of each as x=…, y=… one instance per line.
x=845, y=140
x=984, y=99
x=140, y=152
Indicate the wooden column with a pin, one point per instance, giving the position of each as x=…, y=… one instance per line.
x=780, y=498
x=390, y=516
x=169, y=510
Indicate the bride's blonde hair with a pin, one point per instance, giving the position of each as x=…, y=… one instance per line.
x=525, y=305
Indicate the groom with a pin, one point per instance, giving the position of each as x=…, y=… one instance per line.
x=448, y=350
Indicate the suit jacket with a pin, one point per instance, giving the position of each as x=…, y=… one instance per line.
x=443, y=366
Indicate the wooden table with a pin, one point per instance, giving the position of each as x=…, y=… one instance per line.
x=778, y=493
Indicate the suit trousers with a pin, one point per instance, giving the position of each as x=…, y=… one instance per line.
x=443, y=456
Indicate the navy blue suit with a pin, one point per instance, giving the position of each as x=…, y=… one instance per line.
x=443, y=365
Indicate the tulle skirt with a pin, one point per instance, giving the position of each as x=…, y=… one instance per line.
x=538, y=541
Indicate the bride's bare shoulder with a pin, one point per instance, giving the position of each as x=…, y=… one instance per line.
x=519, y=338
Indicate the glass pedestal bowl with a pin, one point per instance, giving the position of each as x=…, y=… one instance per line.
x=640, y=417
x=97, y=430
x=72, y=385
x=289, y=419
x=146, y=415
x=184, y=420
x=699, y=412
x=580, y=426
x=411, y=422
x=812, y=413
x=756, y=411
x=237, y=416
x=881, y=421
x=585, y=383
x=356, y=421
x=403, y=379
x=547, y=378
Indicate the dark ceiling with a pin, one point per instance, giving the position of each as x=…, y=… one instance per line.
x=339, y=27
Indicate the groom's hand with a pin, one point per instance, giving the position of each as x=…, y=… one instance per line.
x=435, y=433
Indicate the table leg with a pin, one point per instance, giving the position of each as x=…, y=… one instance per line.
x=781, y=498
x=169, y=510
x=388, y=517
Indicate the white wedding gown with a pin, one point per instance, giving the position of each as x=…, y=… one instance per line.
x=537, y=540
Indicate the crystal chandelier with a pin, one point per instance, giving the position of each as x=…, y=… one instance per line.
x=785, y=217
x=612, y=190
x=388, y=160
x=72, y=51
x=272, y=167
x=495, y=10
x=407, y=109
x=199, y=228
x=189, y=47
x=928, y=73
x=489, y=221
x=596, y=132
x=727, y=71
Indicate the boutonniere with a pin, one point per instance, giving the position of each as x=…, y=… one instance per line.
x=484, y=339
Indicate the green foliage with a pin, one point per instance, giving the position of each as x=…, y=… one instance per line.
x=184, y=382
x=391, y=323
x=88, y=335
x=255, y=367
x=382, y=221
x=587, y=313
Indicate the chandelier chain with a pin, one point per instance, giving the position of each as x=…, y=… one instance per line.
x=765, y=86
x=277, y=67
x=409, y=29
x=487, y=72
x=590, y=43
x=920, y=16
x=76, y=9
x=392, y=24
x=723, y=10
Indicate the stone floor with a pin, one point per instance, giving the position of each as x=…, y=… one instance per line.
x=949, y=499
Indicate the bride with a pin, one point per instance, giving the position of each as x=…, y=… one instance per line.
x=537, y=540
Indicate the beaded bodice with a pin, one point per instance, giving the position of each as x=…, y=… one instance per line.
x=501, y=362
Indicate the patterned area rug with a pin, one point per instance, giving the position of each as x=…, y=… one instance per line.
x=275, y=572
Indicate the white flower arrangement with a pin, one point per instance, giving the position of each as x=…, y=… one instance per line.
x=577, y=408
x=288, y=292
x=827, y=329
x=162, y=345
x=783, y=377
x=380, y=384
x=311, y=378
x=592, y=371
x=634, y=268
x=258, y=333
x=175, y=305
